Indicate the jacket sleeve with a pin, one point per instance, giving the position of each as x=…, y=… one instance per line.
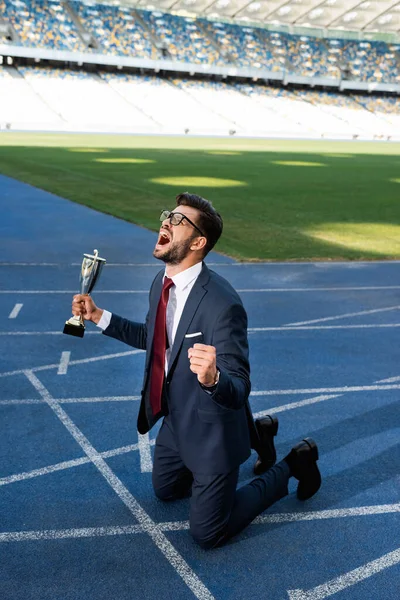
x=230, y=341
x=131, y=333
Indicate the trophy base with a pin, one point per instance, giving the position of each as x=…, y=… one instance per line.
x=75, y=328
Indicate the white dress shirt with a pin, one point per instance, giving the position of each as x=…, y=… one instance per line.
x=178, y=294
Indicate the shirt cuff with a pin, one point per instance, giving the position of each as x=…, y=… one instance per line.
x=105, y=320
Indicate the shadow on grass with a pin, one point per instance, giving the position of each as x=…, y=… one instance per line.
x=282, y=206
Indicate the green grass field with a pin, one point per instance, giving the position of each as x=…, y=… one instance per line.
x=280, y=199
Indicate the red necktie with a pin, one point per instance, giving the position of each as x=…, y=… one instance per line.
x=159, y=348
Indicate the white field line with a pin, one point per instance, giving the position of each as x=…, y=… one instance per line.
x=331, y=390
x=53, y=534
x=332, y=264
x=89, y=400
x=390, y=380
x=368, y=288
x=64, y=362
x=73, y=362
x=14, y=333
x=148, y=525
x=317, y=515
x=344, y=316
x=324, y=327
x=292, y=405
x=62, y=534
x=68, y=464
x=15, y=311
x=347, y=579
x=250, y=329
x=146, y=462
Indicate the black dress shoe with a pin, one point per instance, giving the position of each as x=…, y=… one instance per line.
x=267, y=428
x=302, y=461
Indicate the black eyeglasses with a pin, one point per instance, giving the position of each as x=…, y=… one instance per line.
x=176, y=218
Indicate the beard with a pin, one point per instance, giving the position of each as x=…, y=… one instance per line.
x=176, y=252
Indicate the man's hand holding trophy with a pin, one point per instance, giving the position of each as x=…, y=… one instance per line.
x=83, y=307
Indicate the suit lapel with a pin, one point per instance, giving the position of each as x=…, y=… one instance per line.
x=195, y=297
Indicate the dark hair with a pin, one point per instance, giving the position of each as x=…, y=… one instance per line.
x=209, y=221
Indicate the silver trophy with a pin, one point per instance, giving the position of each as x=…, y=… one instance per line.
x=92, y=266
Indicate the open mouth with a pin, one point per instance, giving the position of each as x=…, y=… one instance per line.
x=163, y=239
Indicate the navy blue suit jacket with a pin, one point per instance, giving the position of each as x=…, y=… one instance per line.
x=214, y=432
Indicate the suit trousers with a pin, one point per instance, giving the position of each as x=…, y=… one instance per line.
x=218, y=510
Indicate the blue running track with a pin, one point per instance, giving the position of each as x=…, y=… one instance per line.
x=79, y=520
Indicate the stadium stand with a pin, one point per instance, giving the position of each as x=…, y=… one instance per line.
x=171, y=107
x=116, y=30
x=42, y=23
x=182, y=37
x=67, y=100
x=83, y=100
x=120, y=30
x=15, y=96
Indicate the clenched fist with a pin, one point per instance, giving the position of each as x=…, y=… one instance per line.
x=82, y=304
x=203, y=362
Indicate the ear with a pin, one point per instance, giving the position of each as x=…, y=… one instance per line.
x=198, y=244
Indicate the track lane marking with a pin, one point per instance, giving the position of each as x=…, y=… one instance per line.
x=367, y=288
x=362, y=511
x=281, y=328
x=344, y=316
x=148, y=525
x=64, y=362
x=146, y=462
x=15, y=311
x=293, y=405
x=347, y=579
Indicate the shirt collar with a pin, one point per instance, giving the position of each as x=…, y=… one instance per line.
x=187, y=276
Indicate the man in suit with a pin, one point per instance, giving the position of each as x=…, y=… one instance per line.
x=197, y=377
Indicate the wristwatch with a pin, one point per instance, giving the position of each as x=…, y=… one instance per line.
x=213, y=386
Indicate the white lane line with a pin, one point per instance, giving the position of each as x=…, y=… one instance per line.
x=89, y=400
x=15, y=311
x=285, y=328
x=335, y=513
x=368, y=288
x=53, y=534
x=344, y=316
x=74, y=362
x=64, y=362
x=68, y=464
x=317, y=515
x=324, y=327
x=25, y=264
x=320, y=264
x=146, y=462
x=348, y=579
x=320, y=289
x=332, y=390
x=72, y=292
x=293, y=405
x=390, y=380
x=149, y=526
x=11, y=333
x=62, y=534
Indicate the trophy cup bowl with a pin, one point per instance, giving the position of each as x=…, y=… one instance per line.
x=92, y=266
